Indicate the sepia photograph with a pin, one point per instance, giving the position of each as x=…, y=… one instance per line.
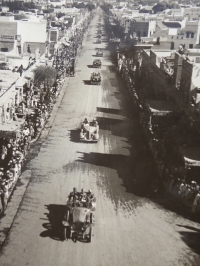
x=99, y=133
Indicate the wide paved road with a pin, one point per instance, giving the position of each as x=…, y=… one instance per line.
x=129, y=230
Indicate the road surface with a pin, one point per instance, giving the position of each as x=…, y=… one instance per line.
x=129, y=229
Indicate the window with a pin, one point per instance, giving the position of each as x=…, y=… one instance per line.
x=190, y=46
x=138, y=33
x=144, y=34
x=177, y=37
x=28, y=49
x=4, y=49
x=172, y=46
x=192, y=35
x=187, y=35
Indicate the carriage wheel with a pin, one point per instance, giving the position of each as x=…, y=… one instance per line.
x=91, y=218
x=90, y=235
x=64, y=233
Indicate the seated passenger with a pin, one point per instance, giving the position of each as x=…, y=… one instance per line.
x=82, y=196
x=85, y=121
x=73, y=196
x=95, y=123
x=90, y=196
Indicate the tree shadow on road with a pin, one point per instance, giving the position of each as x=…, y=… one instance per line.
x=117, y=127
x=109, y=110
x=126, y=169
x=55, y=217
x=192, y=239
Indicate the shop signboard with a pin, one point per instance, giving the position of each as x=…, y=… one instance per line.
x=7, y=38
x=7, y=134
x=2, y=57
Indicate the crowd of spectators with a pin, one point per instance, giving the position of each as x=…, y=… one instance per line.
x=35, y=109
x=164, y=135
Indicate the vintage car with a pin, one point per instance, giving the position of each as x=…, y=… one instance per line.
x=99, y=52
x=95, y=78
x=99, y=31
x=78, y=221
x=89, y=131
x=97, y=63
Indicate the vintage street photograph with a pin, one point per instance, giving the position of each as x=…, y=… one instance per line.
x=99, y=133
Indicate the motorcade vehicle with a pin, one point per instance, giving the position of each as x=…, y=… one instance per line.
x=97, y=63
x=89, y=131
x=78, y=221
x=95, y=78
x=99, y=52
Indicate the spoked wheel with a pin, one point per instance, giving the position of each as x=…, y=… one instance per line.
x=64, y=233
x=90, y=235
x=91, y=218
x=67, y=216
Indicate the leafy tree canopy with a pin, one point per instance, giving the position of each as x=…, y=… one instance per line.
x=44, y=75
x=90, y=6
x=161, y=6
x=20, y=6
x=106, y=7
x=20, y=16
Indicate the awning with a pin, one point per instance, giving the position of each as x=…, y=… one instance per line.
x=191, y=156
x=11, y=130
x=161, y=107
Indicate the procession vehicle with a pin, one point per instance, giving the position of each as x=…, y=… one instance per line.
x=89, y=132
x=99, y=52
x=99, y=40
x=99, y=36
x=99, y=31
x=95, y=78
x=78, y=221
x=97, y=63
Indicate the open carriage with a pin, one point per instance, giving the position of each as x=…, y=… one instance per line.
x=89, y=132
x=79, y=220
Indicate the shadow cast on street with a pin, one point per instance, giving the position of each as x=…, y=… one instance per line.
x=55, y=216
x=126, y=169
x=109, y=110
x=87, y=82
x=192, y=239
x=75, y=135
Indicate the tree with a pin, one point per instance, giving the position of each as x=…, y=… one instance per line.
x=106, y=7
x=20, y=16
x=60, y=14
x=161, y=6
x=45, y=75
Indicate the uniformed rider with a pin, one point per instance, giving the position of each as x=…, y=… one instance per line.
x=74, y=196
x=85, y=121
x=90, y=196
x=83, y=196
